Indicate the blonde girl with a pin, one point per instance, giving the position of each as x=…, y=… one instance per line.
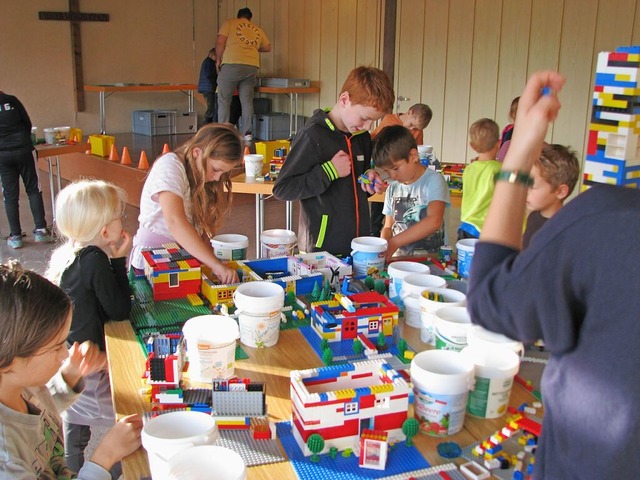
x=186, y=195
x=39, y=376
x=90, y=266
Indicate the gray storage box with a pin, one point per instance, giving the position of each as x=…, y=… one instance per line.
x=286, y=82
x=153, y=122
x=186, y=122
x=273, y=126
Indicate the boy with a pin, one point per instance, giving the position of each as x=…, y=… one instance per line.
x=416, y=120
x=207, y=84
x=477, y=178
x=555, y=174
x=327, y=157
x=415, y=200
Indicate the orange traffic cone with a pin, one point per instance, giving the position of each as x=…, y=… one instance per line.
x=87, y=152
x=166, y=149
x=246, y=151
x=113, y=154
x=126, y=159
x=143, y=163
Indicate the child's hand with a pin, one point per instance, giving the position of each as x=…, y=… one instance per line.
x=225, y=274
x=83, y=359
x=392, y=247
x=123, y=439
x=122, y=248
x=342, y=163
x=375, y=184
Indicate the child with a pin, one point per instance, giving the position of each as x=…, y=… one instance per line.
x=91, y=268
x=558, y=290
x=507, y=132
x=18, y=159
x=415, y=200
x=207, y=84
x=186, y=195
x=328, y=156
x=555, y=174
x=416, y=120
x=477, y=178
x=36, y=316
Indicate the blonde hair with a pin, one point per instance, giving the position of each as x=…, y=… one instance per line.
x=83, y=208
x=210, y=200
x=483, y=135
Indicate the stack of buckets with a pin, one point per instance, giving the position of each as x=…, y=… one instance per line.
x=456, y=378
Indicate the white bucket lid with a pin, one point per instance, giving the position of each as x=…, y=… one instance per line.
x=178, y=427
x=279, y=236
x=230, y=240
x=442, y=371
x=484, y=338
x=403, y=268
x=217, y=329
x=205, y=462
x=449, y=296
x=467, y=244
x=259, y=297
x=368, y=244
x=253, y=158
x=494, y=363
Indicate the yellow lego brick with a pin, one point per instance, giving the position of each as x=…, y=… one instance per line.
x=382, y=388
x=194, y=299
x=603, y=128
x=345, y=393
x=623, y=77
x=409, y=354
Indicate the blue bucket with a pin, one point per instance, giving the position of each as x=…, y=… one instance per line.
x=465, y=249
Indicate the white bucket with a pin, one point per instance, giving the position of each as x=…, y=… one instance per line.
x=50, y=135
x=412, y=286
x=485, y=339
x=428, y=309
x=253, y=165
x=167, y=434
x=494, y=372
x=259, y=308
x=368, y=255
x=465, y=249
x=397, y=271
x=230, y=246
x=211, y=347
x=277, y=243
x=206, y=461
x=451, y=326
x=441, y=383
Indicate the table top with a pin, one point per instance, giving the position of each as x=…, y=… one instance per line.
x=288, y=89
x=272, y=366
x=139, y=87
x=243, y=184
x=47, y=150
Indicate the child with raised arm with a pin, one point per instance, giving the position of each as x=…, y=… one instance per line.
x=477, y=178
x=90, y=266
x=39, y=377
x=415, y=200
x=186, y=195
x=569, y=290
x=555, y=174
x=327, y=158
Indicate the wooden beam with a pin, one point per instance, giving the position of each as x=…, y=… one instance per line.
x=389, y=38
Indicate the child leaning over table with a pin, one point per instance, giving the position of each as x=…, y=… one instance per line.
x=39, y=376
x=477, y=178
x=555, y=174
x=415, y=200
x=327, y=158
x=90, y=266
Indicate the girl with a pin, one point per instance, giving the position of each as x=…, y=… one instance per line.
x=186, y=195
x=33, y=353
x=91, y=268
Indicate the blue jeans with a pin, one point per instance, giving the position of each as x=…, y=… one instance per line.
x=13, y=166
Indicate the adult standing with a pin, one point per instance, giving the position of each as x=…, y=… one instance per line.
x=18, y=160
x=239, y=45
x=207, y=84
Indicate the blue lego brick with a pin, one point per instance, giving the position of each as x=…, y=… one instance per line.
x=631, y=49
x=609, y=79
x=400, y=460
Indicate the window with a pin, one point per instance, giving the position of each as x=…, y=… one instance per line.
x=351, y=408
x=174, y=281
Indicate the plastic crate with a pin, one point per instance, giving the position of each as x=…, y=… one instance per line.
x=154, y=122
x=186, y=122
x=286, y=82
x=273, y=126
x=101, y=144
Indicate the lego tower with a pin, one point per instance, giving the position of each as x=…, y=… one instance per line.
x=613, y=155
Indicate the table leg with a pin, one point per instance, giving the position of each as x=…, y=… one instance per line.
x=103, y=113
x=295, y=113
x=259, y=220
x=291, y=124
x=51, y=187
x=190, y=94
x=288, y=215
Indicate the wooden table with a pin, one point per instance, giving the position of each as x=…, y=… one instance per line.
x=292, y=93
x=272, y=366
x=51, y=153
x=261, y=189
x=107, y=90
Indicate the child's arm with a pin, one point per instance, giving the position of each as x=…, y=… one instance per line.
x=186, y=235
x=123, y=439
x=425, y=227
x=83, y=359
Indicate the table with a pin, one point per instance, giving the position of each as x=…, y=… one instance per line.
x=261, y=189
x=269, y=365
x=292, y=93
x=51, y=153
x=186, y=88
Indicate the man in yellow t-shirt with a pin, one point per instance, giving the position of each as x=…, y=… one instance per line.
x=239, y=45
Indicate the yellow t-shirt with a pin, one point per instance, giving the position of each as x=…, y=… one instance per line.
x=243, y=41
x=477, y=191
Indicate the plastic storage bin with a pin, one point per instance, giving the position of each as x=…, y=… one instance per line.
x=186, y=122
x=285, y=82
x=273, y=126
x=154, y=122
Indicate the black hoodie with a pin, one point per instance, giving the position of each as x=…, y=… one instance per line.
x=15, y=125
